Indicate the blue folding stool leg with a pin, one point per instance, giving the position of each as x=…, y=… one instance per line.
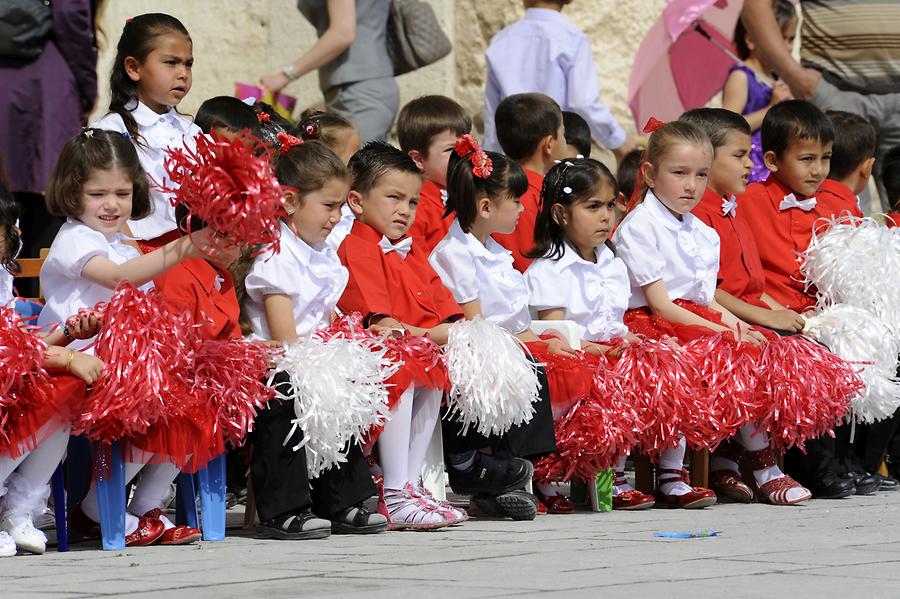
x=58, y=484
x=212, y=499
x=79, y=467
x=111, y=496
x=186, y=501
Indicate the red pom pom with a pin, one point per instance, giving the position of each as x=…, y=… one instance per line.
x=146, y=348
x=224, y=183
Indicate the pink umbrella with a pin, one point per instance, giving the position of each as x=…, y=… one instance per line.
x=684, y=59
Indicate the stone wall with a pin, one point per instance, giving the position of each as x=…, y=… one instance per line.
x=252, y=37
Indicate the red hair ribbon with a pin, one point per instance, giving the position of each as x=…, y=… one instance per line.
x=129, y=20
x=263, y=117
x=287, y=141
x=468, y=147
x=653, y=124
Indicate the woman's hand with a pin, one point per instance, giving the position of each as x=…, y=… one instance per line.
x=780, y=93
x=274, y=82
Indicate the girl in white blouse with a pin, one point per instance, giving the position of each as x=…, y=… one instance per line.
x=673, y=262
x=98, y=185
x=483, y=190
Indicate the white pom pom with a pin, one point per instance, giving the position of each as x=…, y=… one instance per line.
x=338, y=391
x=860, y=337
x=493, y=381
x=855, y=261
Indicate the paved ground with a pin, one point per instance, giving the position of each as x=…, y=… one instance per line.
x=845, y=548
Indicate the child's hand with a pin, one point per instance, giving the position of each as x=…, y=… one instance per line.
x=785, y=320
x=86, y=367
x=386, y=331
x=750, y=336
x=208, y=245
x=555, y=345
x=439, y=334
x=84, y=325
x=780, y=93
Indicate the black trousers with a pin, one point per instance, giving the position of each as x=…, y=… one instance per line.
x=530, y=440
x=280, y=482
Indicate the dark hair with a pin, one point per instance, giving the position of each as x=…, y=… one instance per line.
x=523, y=120
x=323, y=126
x=890, y=177
x=507, y=179
x=10, y=212
x=578, y=132
x=785, y=14
x=268, y=128
x=627, y=172
x=90, y=150
x=717, y=123
x=226, y=112
x=137, y=40
x=793, y=120
x=426, y=116
x=376, y=159
x=854, y=142
x=667, y=136
x=309, y=166
x=582, y=177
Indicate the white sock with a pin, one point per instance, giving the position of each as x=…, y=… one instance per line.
x=672, y=459
x=426, y=406
x=32, y=477
x=754, y=439
x=393, y=443
x=91, y=507
x=547, y=489
x=153, y=489
x=619, y=469
x=8, y=464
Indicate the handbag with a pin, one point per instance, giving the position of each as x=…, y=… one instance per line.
x=414, y=36
x=24, y=28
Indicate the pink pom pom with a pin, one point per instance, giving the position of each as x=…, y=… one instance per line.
x=807, y=390
x=146, y=348
x=224, y=183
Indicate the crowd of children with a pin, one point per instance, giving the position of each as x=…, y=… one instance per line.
x=677, y=278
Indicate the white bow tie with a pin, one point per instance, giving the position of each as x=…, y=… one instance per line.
x=791, y=201
x=402, y=247
x=729, y=206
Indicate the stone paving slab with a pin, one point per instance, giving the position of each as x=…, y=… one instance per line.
x=845, y=548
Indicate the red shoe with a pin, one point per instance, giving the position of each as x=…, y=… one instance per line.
x=775, y=491
x=632, y=500
x=555, y=504
x=729, y=484
x=697, y=498
x=178, y=535
x=148, y=531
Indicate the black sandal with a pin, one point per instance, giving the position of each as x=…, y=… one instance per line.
x=294, y=526
x=363, y=522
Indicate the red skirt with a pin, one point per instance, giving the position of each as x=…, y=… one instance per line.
x=22, y=421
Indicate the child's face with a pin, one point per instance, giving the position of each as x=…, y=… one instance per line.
x=316, y=214
x=504, y=214
x=390, y=206
x=802, y=166
x=348, y=143
x=164, y=77
x=434, y=161
x=587, y=223
x=680, y=178
x=106, y=200
x=732, y=165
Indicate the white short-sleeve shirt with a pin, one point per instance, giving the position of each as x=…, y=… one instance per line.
x=342, y=229
x=6, y=287
x=472, y=271
x=159, y=132
x=313, y=278
x=655, y=245
x=65, y=290
x=593, y=295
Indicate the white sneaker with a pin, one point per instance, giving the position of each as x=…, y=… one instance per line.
x=26, y=536
x=7, y=545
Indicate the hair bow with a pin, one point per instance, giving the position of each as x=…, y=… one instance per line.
x=311, y=129
x=263, y=117
x=468, y=147
x=653, y=124
x=287, y=141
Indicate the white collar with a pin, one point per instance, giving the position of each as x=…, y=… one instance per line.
x=663, y=214
x=571, y=257
x=145, y=117
x=543, y=14
x=491, y=250
x=301, y=250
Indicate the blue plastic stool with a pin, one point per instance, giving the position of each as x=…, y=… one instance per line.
x=58, y=485
x=111, y=497
x=212, y=500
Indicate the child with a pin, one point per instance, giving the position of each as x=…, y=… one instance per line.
x=546, y=53
x=427, y=129
x=852, y=157
x=98, y=185
x=750, y=90
x=578, y=135
x=392, y=285
x=530, y=131
x=577, y=277
x=290, y=295
x=333, y=130
x=151, y=75
x=627, y=179
x=890, y=178
x=34, y=439
x=478, y=272
x=225, y=116
x=781, y=212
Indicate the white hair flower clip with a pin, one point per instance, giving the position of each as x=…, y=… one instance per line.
x=567, y=189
